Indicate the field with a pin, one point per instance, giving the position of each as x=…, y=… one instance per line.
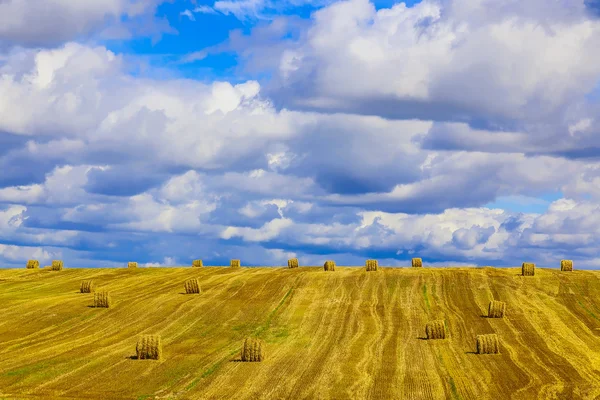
x=347, y=334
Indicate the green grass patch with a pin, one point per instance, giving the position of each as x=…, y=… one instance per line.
x=28, y=370
x=259, y=331
x=453, y=389
x=426, y=297
x=455, y=394
x=587, y=310
x=211, y=370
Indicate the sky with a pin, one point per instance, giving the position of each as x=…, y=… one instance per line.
x=464, y=132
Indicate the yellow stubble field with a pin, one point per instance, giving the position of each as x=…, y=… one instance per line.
x=343, y=334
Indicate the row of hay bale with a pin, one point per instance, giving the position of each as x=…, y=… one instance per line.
x=192, y=286
x=57, y=265
x=149, y=347
x=527, y=269
x=486, y=344
x=371, y=265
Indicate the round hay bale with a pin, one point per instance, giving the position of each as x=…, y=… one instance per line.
x=197, y=264
x=33, y=264
x=417, y=263
x=329, y=265
x=496, y=309
x=372, y=265
x=435, y=330
x=57, y=265
x=86, y=286
x=132, y=264
x=566, y=265
x=235, y=264
x=149, y=347
x=293, y=263
x=192, y=286
x=528, y=269
x=253, y=350
x=488, y=344
x=102, y=299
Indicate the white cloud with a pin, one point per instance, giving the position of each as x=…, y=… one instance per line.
x=183, y=166
x=64, y=186
x=188, y=14
x=204, y=10
x=503, y=60
x=268, y=231
x=20, y=253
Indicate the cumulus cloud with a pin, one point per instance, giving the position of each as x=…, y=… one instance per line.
x=452, y=60
x=384, y=133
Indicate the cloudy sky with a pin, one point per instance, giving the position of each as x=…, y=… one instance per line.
x=465, y=132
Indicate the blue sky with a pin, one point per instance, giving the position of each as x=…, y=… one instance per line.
x=464, y=132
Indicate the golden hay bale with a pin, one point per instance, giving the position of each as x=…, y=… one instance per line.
x=192, y=286
x=57, y=265
x=253, y=350
x=566, y=265
x=528, y=269
x=86, y=287
x=329, y=265
x=102, y=299
x=33, y=264
x=372, y=265
x=417, y=263
x=496, y=309
x=293, y=263
x=488, y=344
x=235, y=264
x=132, y=264
x=197, y=263
x=149, y=347
x=436, y=330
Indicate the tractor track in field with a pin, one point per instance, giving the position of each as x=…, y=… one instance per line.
x=329, y=335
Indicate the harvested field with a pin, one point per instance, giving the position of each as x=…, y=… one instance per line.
x=348, y=335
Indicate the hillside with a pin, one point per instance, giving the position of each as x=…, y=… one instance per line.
x=328, y=335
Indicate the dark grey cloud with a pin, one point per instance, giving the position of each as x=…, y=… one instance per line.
x=124, y=180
